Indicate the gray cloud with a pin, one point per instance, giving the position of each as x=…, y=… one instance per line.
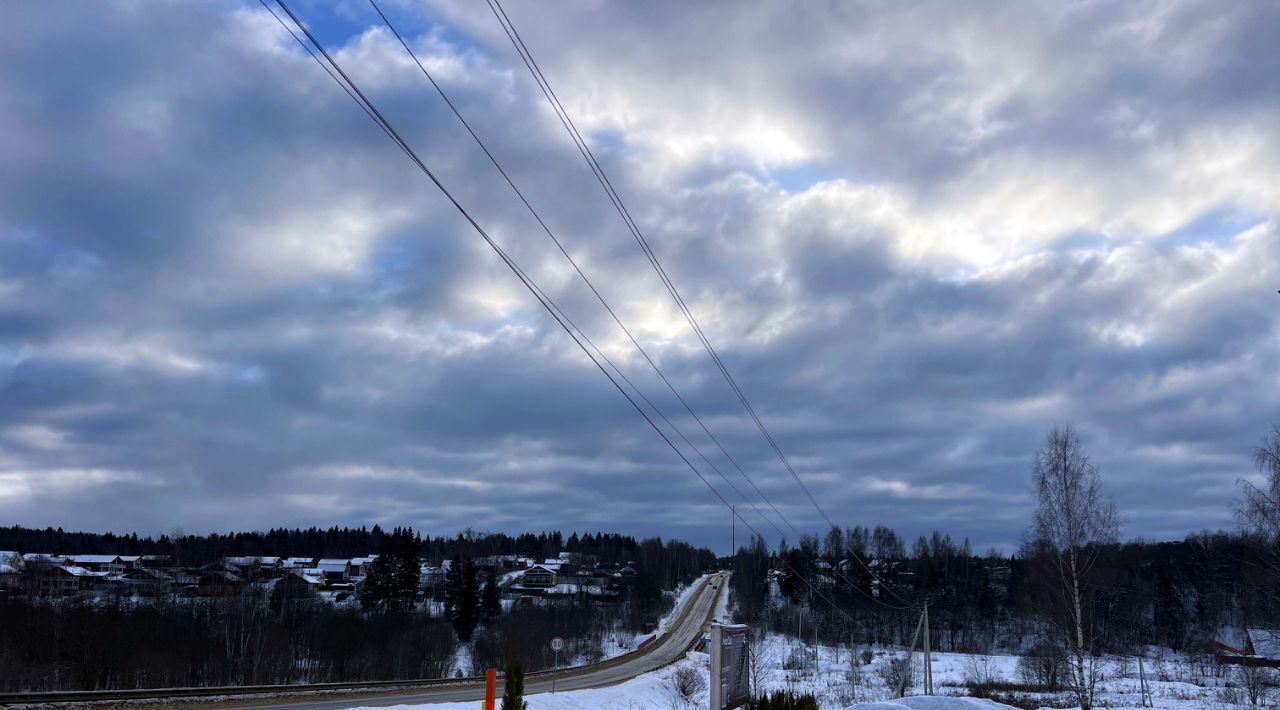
x=919, y=236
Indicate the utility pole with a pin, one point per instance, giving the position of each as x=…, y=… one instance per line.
x=815, y=648
x=906, y=668
x=928, y=657
x=1142, y=679
x=733, y=531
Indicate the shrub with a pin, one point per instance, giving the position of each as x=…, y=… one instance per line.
x=689, y=682
x=896, y=673
x=1043, y=667
x=784, y=701
x=980, y=676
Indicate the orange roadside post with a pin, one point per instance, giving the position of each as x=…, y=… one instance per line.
x=490, y=688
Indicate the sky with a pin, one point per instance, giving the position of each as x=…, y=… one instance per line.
x=920, y=235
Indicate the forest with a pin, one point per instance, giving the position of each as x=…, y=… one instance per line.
x=271, y=633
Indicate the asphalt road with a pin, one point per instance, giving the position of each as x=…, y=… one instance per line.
x=669, y=648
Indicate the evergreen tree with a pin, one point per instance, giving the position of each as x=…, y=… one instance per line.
x=513, y=687
x=462, y=596
x=491, y=604
x=392, y=580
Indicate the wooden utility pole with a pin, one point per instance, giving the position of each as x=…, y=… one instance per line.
x=928, y=656
x=733, y=532
x=1142, y=680
x=906, y=669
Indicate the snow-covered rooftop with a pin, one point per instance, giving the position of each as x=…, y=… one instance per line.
x=1266, y=643
x=93, y=559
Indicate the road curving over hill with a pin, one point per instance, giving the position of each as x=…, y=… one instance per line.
x=681, y=635
x=683, y=631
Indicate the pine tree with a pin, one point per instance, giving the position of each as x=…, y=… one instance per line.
x=392, y=579
x=491, y=604
x=462, y=596
x=513, y=688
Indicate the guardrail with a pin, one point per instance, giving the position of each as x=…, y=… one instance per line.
x=73, y=696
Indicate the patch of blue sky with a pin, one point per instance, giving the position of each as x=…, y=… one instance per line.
x=1217, y=226
x=397, y=255
x=1083, y=241
x=338, y=23
x=799, y=178
x=248, y=373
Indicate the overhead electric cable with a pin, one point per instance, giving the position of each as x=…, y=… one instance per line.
x=615, y=199
x=600, y=297
x=543, y=299
x=581, y=274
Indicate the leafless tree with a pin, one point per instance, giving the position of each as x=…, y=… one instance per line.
x=1256, y=681
x=761, y=657
x=1072, y=519
x=1259, y=512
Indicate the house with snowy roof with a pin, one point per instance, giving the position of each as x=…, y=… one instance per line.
x=68, y=580
x=111, y=564
x=539, y=576
x=359, y=566
x=1248, y=647
x=1263, y=645
x=334, y=570
x=10, y=570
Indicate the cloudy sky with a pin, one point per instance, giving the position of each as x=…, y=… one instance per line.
x=919, y=235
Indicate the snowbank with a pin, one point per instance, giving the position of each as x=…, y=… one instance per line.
x=936, y=702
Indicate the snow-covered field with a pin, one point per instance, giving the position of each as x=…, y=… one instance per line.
x=787, y=665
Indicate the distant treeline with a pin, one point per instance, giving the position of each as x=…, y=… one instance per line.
x=267, y=632
x=1177, y=594
x=334, y=542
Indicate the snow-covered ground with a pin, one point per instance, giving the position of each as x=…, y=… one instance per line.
x=619, y=642
x=787, y=665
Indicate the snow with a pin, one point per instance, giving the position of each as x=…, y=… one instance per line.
x=788, y=665
x=651, y=690
x=937, y=702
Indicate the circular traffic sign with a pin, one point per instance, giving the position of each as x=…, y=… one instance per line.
x=557, y=644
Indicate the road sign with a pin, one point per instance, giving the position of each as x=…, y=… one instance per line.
x=557, y=644
x=730, y=666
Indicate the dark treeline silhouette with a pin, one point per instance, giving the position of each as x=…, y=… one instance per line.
x=279, y=630
x=1172, y=594
x=334, y=542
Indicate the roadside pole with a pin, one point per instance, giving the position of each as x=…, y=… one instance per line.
x=490, y=689
x=906, y=668
x=557, y=644
x=717, y=682
x=928, y=656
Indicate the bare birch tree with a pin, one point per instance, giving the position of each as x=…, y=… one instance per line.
x=1259, y=512
x=1073, y=517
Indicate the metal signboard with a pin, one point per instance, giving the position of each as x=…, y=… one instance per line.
x=730, y=666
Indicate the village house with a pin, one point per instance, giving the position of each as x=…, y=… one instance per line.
x=10, y=570
x=1253, y=647
x=252, y=567
x=147, y=582
x=359, y=566
x=67, y=580
x=111, y=564
x=539, y=576
x=334, y=570
x=154, y=561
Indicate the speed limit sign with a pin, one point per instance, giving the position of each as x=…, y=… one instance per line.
x=557, y=644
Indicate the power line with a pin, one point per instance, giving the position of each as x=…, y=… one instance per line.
x=543, y=299
x=600, y=297
x=581, y=274
x=615, y=199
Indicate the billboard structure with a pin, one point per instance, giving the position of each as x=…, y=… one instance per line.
x=730, y=666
